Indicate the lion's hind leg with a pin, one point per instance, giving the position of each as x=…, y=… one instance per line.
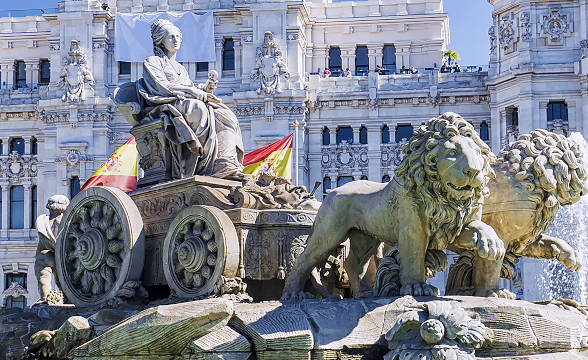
x=362, y=248
x=326, y=237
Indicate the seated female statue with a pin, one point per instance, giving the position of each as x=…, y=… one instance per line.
x=204, y=133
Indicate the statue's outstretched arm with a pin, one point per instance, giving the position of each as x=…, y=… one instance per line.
x=549, y=247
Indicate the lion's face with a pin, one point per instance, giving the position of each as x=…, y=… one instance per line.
x=460, y=166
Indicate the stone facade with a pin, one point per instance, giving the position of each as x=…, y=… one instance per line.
x=538, y=66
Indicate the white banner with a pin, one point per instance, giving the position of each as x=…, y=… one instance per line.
x=132, y=36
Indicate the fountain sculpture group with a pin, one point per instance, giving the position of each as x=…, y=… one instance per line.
x=210, y=231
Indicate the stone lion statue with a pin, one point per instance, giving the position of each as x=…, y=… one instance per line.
x=436, y=192
x=534, y=176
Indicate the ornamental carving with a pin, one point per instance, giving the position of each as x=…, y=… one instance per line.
x=556, y=26
x=14, y=290
x=507, y=35
x=76, y=79
x=16, y=166
x=392, y=155
x=73, y=157
x=492, y=36
x=269, y=66
x=525, y=21
x=345, y=157
x=584, y=49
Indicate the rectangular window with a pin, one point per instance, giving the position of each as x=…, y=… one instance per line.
x=201, y=66
x=19, y=278
x=18, y=145
x=44, y=72
x=229, y=55
x=74, y=186
x=403, y=133
x=33, y=206
x=17, y=207
x=18, y=302
x=344, y=133
x=34, y=146
x=335, y=64
x=20, y=75
x=389, y=58
x=124, y=68
x=361, y=61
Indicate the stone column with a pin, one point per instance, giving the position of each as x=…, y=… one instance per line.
x=502, y=128
x=374, y=153
x=237, y=46
x=542, y=119
x=333, y=135
x=32, y=69
x=5, y=202
x=495, y=129
x=9, y=79
x=573, y=126
x=356, y=135
x=525, y=112
x=27, y=146
x=27, y=204
x=5, y=145
x=320, y=56
x=392, y=128
x=402, y=55
x=375, y=52
x=348, y=57
x=3, y=76
x=218, y=64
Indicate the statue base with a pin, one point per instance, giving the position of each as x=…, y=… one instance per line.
x=371, y=328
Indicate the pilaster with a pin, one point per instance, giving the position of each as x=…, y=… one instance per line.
x=32, y=72
x=218, y=66
x=375, y=53
x=238, y=48
x=348, y=57
x=5, y=201
x=27, y=204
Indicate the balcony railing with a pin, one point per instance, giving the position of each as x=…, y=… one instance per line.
x=27, y=12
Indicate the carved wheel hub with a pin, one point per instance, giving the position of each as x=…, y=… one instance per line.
x=201, y=247
x=100, y=247
x=195, y=253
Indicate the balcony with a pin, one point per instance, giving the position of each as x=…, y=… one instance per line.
x=344, y=157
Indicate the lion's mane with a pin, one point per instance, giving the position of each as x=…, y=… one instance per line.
x=418, y=173
x=550, y=167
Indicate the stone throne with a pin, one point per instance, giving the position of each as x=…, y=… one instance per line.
x=153, y=147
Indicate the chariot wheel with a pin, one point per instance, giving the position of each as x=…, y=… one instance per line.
x=201, y=246
x=101, y=245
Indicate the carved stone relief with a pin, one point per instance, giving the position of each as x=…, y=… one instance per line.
x=76, y=79
x=584, y=48
x=269, y=66
x=16, y=166
x=507, y=35
x=391, y=154
x=556, y=26
x=492, y=36
x=345, y=157
x=525, y=23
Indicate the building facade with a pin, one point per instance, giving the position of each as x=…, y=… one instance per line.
x=56, y=130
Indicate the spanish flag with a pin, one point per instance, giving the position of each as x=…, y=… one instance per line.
x=275, y=159
x=119, y=170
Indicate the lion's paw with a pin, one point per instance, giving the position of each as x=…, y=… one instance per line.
x=501, y=293
x=570, y=259
x=419, y=289
x=296, y=296
x=489, y=245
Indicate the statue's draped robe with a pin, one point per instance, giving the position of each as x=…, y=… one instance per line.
x=205, y=137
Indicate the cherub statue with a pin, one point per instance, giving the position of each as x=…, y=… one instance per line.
x=48, y=228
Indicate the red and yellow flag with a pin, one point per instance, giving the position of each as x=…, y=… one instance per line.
x=275, y=159
x=119, y=170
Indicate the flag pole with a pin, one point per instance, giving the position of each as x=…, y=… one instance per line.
x=296, y=124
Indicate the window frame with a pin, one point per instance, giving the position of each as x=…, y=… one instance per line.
x=16, y=208
x=228, y=55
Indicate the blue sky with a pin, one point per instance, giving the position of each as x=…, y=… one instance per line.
x=469, y=25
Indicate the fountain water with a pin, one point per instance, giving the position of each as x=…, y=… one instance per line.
x=571, y=225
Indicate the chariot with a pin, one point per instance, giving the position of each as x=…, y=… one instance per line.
x=198, y=236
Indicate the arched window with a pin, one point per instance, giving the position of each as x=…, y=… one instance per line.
x=335, y=64
x=229, y=54
x=403, y=132
x=34, y=146
x=484, y=134
x=326, y=185
x=326, y=136
x=389, y=58
x=342, y=180
x=344, y=133
x=17, y=207
x=385, y=178
x=33, y=206
x=363, y=177
x=385, y=134
x=363, y=135
x=74, y=186
x=18, y=145
x=361, y=61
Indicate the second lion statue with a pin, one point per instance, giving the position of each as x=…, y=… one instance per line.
x=437, y=191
